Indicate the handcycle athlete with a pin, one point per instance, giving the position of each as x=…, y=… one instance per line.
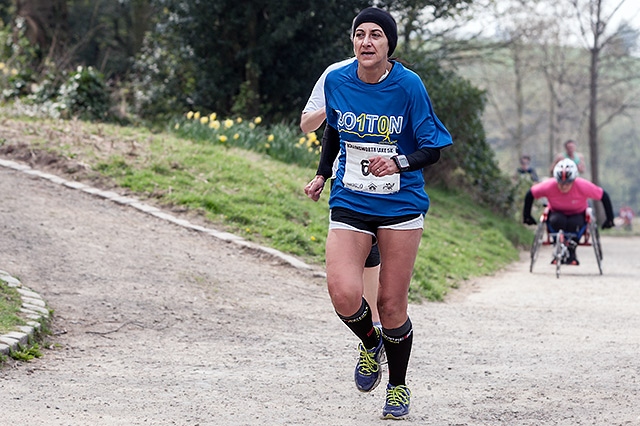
x=567, y=197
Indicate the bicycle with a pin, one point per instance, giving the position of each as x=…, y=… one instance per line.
x=560, y=240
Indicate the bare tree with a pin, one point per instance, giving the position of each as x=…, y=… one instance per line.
x=595, y=18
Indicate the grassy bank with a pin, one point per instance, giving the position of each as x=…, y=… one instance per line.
x=250, y=193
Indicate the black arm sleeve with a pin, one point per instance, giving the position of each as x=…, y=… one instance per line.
x=330, y=150
x=528, y=202
x=606, y=202
x=423, y=157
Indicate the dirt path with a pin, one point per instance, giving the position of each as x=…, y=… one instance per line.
x=160, y=325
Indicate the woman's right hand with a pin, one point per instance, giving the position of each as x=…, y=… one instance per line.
x=315, y=187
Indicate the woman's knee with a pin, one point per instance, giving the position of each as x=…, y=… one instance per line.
x=346, y=299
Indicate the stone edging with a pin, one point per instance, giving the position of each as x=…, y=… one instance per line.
x=33, y=308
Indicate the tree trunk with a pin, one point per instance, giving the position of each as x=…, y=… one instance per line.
x=593, y=114
x=47, y=25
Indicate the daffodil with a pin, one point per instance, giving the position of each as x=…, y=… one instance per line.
x=270, y=138
x=312, y=238
x=252, y=126
x=257, y=120
x=239, y=120
x=196, y=115
x=204, y=120
x=267, y=146
x=302, y=140
x=236, y=137
x=213, y=116
x=228, y=123
x=177, y=126
x=190, y=115
x=215, y=124
x=222, y=138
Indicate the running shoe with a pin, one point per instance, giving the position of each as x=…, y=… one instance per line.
x=396, y=406
x=368, y=370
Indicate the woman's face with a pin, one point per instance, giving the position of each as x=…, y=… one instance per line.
x=565, y=186
x=370, y=44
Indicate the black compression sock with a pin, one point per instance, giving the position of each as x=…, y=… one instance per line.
x=397, y=344
x=361, y=324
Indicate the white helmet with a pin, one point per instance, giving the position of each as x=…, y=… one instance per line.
x=565, y=171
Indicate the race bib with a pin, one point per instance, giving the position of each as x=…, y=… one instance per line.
x=356, y=172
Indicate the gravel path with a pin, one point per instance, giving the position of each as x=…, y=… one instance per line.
x=156, y=324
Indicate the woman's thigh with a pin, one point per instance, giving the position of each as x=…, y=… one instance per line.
x=346, y=252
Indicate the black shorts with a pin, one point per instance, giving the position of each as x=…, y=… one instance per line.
x=342, y=218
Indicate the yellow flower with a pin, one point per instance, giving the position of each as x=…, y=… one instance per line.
x=177, y=126
x=267, y=146
x=1, y=65
x=196, y=116
x=271, y=138
x=204, y=120
x=301, y=140
x=257, y=120
x=228, y=123
x=252, y=126
x=14, y=71
x=239, y=120
x=236, y=136
x=213, y=116
x=312, y=136
x=313, y=238
x=222, y=138
x=215, y=124
x=247, y=230
x=190, y=115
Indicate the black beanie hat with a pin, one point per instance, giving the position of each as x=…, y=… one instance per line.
x=382, y=18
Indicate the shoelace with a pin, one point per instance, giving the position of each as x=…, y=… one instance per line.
x=368, y=364
x=398, y=395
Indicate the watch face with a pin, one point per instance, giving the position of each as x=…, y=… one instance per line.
x=404, y=163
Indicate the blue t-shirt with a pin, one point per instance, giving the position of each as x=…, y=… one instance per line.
x=394, y=116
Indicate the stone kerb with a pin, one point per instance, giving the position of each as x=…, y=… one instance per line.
x=33, y=310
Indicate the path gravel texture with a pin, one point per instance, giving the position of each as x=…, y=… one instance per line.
x=157, y=324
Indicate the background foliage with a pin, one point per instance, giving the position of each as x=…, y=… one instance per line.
x=154, y=60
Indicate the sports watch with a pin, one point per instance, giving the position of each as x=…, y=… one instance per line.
x=401, y=162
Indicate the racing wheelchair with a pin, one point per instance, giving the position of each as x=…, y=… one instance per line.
x=588, y=235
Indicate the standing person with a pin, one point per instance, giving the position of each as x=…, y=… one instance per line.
x=313, y=115
x=568, y=196
x=570, y=152
x=525, y=169
x=381, y=123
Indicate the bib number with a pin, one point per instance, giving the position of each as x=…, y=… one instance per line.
x=356, y=171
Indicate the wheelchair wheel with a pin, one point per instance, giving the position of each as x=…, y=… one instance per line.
x=537, y=242
x=558, y=251
x=595, y=242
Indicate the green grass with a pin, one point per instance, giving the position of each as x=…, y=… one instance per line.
x=10, y=303
x=261, y=198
